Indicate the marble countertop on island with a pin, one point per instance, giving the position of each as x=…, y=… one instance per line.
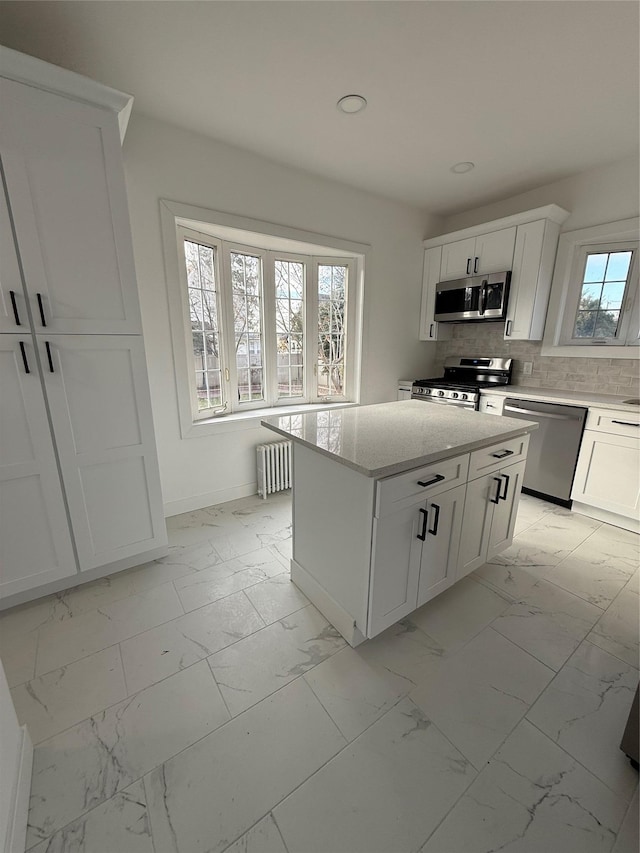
x=389, y=438
x=588, y=399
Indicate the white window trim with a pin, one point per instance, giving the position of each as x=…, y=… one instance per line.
x=570, y=247
x=323, y=247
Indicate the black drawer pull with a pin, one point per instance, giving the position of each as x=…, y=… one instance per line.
x=24, y=358
x=48, y=349
x=434, y=529
x=15, y=307
x=468, y=266
x=497, y=480
x=502, y=454
x=625, y=423
x=436, y=479
x=506, y=487
x=423, y=535
x=41, y=308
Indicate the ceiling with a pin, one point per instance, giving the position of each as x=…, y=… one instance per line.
x=530, y=91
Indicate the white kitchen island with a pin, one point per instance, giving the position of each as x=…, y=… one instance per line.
x=393, y=503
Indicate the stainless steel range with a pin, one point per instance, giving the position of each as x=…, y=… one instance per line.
x=463, y=380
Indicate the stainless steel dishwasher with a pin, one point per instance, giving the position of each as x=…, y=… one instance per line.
x=553, y=447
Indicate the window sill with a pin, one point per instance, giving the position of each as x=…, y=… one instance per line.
x=251, y=419
x=597, y=351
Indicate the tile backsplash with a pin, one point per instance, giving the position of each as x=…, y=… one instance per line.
x=600, y=375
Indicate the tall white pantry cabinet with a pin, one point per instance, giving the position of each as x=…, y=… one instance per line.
x=79, y=482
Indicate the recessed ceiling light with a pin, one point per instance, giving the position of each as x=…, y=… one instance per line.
x=352, y=103
x=461, y=168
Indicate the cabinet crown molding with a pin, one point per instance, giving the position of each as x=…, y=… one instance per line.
x=60, y=81
x=550, y=211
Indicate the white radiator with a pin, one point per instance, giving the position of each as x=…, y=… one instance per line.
x=274, y=467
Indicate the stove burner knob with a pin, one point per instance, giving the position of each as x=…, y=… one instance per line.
x=464, y=397
x=440, y=393
x=455, y=395
x=428, y=391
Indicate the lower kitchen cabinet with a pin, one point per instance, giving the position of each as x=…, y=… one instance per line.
x=607, y=479
x=415, y=555
x=35, y=541
x=491, y=507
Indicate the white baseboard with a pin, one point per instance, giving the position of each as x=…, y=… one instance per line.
x=632, y=524
x=330, y=609
x=209, y=499
x=17, y=831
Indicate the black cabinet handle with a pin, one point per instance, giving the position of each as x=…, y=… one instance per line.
x=24, y=358
x=507, y=331
x=503, y=453
x=423, y=535
x=475, y=264
x=497, y=480
x=625, y=423
x=50, y=360
x=431, y=330
x=434, y=530
x=506, y=487
x=41, y=309
x=15, y=307
x=468, y=266
x=436, y=479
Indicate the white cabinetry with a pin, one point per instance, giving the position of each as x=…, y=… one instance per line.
x=491, y=404
x=429, y=329
x=79, y=468
x=397, y=542
x=491, y=507
x=607, y=479
x=490, y=252
x=525, y=243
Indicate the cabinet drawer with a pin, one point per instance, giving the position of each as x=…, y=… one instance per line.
x=489, y=459
x=404, y=489
x=615, y=423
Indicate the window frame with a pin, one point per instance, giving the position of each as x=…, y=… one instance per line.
x=625, y=330
x=566, y=288
x=201, y=224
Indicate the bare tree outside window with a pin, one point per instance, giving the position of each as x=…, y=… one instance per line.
x=332, y=284
x=205, y=333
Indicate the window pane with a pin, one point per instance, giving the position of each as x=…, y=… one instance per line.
x=332, y=283
x=585, y=324
x=290, y=276
x=595, y=267
x=612, y=295
x=590, y=297
x=246, y=283
x=203, y=310
x=618, y=266
x=607, y=324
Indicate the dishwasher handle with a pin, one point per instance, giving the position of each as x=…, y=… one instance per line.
x=539, y=414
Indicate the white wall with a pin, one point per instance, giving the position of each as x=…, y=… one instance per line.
x=164, y=161
x=600, y=195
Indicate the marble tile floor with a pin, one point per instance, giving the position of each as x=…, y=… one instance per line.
x=201, y=704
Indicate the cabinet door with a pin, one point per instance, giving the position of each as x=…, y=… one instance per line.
x=532, y=271
x=429, y=329
x=494, y=251
x=607, y=475
x=99, y=401
x=13, y=309
x=506, y=510
x=65, y=181
x=441, y=545
x=481, y=498
x=35, y=542
x=395, y=567
x=457, y=259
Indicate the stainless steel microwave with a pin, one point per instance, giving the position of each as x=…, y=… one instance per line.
x=472, y=300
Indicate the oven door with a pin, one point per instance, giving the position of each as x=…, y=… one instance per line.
x=461, y=404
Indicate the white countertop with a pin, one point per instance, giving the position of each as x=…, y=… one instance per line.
x=389, y=438
x=576, y=398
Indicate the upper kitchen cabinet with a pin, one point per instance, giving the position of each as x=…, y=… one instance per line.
x=525, y=243
x=62, y=168
x=491, y=252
